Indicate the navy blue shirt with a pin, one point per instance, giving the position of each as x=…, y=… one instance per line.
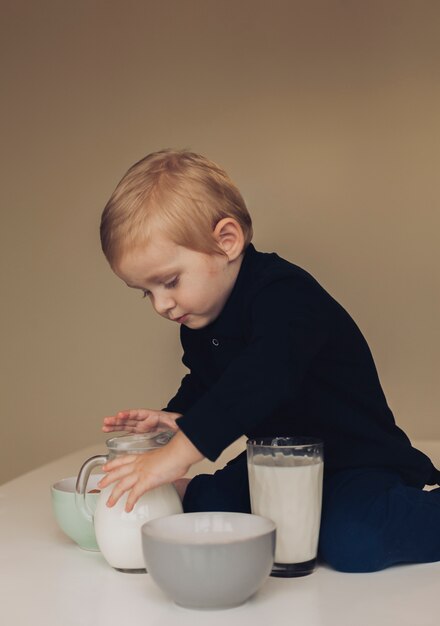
x=284, y=358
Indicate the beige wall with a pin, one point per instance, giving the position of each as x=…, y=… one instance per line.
x=326, y=113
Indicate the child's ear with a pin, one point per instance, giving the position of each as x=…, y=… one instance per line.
x=229, y=236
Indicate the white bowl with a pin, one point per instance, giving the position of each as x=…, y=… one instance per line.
x=209, y=560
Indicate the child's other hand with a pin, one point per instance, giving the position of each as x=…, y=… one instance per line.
x=138, y=473
x=140, y=421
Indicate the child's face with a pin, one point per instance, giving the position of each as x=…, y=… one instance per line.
x=184, y=286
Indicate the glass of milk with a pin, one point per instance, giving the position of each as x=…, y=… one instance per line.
x=285, y=483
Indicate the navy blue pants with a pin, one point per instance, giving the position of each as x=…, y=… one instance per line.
x=370, y=518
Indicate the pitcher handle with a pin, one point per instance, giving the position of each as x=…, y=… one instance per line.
x=81, y=484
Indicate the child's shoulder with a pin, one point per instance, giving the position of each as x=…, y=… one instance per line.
x=277, y=287
x=267, y=268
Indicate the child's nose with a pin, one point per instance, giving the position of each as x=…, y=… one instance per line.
x=164, y=303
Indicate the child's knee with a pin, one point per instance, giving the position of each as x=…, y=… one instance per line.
x=352, y=547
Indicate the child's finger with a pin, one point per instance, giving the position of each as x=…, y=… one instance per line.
x=117, y=424
x=113, y=420
x=133, y=414
x=121, y=417
x=116, y=475
x=131, y=501
x=120, y=488
x=123, y=414
x=111, y=429
x=110, y=419
x=136, y=492
x=130, y=426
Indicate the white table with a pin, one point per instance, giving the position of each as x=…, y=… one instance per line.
x=47, y=579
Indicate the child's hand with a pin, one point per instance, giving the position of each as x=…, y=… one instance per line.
x=140, y=421
x=138, y=473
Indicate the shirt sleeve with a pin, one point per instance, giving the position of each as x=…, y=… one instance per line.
x=188, y=393
x=286, y=333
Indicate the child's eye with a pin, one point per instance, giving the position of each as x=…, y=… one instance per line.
x=172, y=283
x=145, y=293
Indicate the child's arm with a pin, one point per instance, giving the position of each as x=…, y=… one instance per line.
x=142, y=472
x=140, y=421
x=190, y=390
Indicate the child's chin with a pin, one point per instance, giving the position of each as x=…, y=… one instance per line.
x=195, y=324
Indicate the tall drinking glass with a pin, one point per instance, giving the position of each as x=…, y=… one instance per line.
x=285, y=483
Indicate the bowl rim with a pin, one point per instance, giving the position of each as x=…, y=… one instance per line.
x=152, y=530
x=61, y=486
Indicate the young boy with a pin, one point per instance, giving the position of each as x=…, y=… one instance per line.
x=269, y=353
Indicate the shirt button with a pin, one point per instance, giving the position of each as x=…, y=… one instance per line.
x=215, y=342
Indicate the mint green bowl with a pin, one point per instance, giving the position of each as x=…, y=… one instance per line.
x=68, y=517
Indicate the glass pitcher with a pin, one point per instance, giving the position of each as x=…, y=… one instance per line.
x=118, y=533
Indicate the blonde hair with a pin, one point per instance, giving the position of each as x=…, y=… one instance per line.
x=181, y=193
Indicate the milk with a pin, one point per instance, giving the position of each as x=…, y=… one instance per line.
x=288, y=490
x=118, y=533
